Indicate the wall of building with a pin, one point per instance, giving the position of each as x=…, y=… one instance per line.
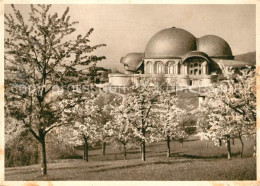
x=191, y=66
x=159, y=66
x=120, y=79
x=194, y=71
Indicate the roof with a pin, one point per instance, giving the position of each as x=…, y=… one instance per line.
x=195, y=54
x=170, y=42
x=233, y=63
x=132, y=61
x=213, y=46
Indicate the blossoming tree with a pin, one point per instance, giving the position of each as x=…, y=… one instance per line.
x=39, y=55
x=123, y=132
x=139, y=105
x=83, y=130
x=170, y=119
x=230, y=109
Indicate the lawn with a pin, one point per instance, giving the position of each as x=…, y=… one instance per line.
x=192, y=162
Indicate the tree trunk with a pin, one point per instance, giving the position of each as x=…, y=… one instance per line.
x=104, y=148
x=143, y=144
x=124, y=151
x=86, y=149
x=38, y=154
x=207, y=145
x=233, y=141
x=84, y=152
x=242, y=146
x=182, y=144
x=220, y=142
x=43, y=156
x=143, y=150
x=254, y=154
x=168, y=147
x=228, y=147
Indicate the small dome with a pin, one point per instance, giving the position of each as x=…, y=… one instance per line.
x=214, y=46
x=132, y=61
x=169, y=43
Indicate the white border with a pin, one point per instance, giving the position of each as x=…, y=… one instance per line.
x=114, y=183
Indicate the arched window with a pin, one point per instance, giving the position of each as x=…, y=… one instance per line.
x=159, y=67
x=196, y=67
x=169, y=68
x=149, y=67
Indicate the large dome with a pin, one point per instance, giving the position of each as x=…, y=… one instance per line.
x=170, y=42
x=214, y=46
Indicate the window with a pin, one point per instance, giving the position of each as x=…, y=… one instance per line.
x=195, y=67
x=159, y=68
x=149, y=67
x=170, y=68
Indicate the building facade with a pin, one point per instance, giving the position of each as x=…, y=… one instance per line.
x=178, y=56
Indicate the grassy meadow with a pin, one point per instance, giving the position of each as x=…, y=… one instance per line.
x=193, y=161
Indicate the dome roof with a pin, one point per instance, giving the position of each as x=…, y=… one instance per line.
x=132, y=61
x=213, y=46
x=169, y=43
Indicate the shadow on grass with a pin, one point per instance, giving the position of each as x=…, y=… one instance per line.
x=120, y=153
x=141, y=165
x=82, y=167
x=98, y=168
x=56, y=168
x=24, y=172
x=71, y=157
x=222, y=156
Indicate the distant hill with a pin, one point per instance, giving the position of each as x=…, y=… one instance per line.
x=249, y=57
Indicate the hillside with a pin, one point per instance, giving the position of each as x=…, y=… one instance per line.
x=184, y=164
x=249, y=57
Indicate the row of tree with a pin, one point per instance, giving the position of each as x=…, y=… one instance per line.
x=141, y=116
x=40, y=55
x=147, y=113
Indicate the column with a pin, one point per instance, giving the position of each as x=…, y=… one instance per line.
x=185, y=69
x=204, y=68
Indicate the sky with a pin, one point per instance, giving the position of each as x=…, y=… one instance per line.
x=128, y=28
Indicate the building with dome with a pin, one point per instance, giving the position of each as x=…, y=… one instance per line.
x=177, y=55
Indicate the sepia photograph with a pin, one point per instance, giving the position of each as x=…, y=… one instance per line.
x=130, y=92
